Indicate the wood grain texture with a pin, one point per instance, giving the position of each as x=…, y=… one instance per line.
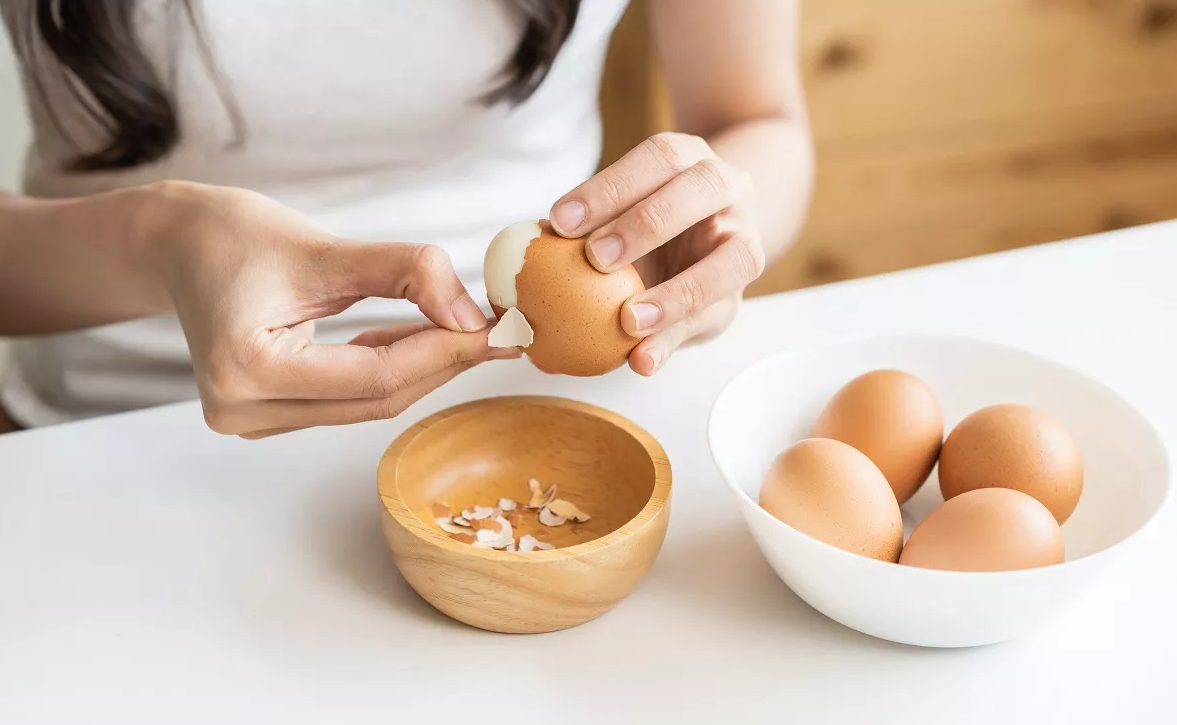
x=479, y=452
x=924, y=198
x=876, y=68
x=949, y=130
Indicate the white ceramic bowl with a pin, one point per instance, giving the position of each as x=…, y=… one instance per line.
x=775, y=402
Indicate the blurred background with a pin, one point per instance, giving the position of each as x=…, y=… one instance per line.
x=14, y=132
x=943, y=129
x=951, y=129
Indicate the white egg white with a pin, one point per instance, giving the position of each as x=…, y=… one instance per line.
x=504, y=260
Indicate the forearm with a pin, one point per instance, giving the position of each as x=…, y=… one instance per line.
x=732, y=71
x=74, y=263
x=778, y=154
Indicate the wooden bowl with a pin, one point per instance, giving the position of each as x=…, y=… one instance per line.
x=479, y=452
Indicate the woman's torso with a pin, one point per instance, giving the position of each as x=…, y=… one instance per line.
x=363, y=115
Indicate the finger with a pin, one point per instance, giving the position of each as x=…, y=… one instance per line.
x=393, y=333
x=705, y=189
x=733, y=265
x=420, y=273
x=267, y=433
x=272, y=417
x=355, y=371
x=625, y=182
x=304, y=329
x=382, y=336
x=651, y=353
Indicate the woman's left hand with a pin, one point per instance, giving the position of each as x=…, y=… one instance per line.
x=683, y=218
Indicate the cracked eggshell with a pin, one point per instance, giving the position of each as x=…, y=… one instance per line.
x=539, y=497
x=573, y=309
x=511, y=331
x=567, y=510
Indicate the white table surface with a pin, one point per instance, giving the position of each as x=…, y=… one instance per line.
x=153, y=572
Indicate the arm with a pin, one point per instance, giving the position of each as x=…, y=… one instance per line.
x=246, y=277
x=700, y=212
x=733, y=76
x=74, y=263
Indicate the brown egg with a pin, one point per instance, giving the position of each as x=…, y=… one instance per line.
x=572, y=312
x=1018, y=447
x=832, y=492
x=894, y=418
x=987, y=529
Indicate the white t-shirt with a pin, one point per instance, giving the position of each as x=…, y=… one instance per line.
x=362, y=115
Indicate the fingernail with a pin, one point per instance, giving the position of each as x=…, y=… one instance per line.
x=655, y=358
x=605, y=251
x=569, y=216
x=645, y=315
x=469, y=317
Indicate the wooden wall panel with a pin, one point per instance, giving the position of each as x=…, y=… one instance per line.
x=950, y=129
x=947, y=130
x=956, y=193
x=902, y=66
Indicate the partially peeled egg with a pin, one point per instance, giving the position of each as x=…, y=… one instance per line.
x=550, y=301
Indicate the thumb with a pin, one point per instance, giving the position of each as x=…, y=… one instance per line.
x=419, y=273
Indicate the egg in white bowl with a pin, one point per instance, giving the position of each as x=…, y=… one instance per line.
x=776, y=403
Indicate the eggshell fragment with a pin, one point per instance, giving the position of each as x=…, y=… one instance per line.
x=452, y=528
x=895, y=419
x=527, y=542
x=568, y=510
x=1016, y=447
x=831, y=491
x=495, y=533
x=547, y=517
x=573, y=309
x=512, y=330
x=987, y=529
x=539, y=497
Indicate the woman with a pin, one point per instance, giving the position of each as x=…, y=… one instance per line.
x=256, y=202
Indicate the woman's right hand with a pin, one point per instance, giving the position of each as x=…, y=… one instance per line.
x=248, y=277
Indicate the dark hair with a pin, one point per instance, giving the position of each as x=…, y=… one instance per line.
x=111, y=77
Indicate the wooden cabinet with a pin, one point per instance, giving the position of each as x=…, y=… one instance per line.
x=950, y=129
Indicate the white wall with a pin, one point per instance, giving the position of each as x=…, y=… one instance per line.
x=14, y=131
